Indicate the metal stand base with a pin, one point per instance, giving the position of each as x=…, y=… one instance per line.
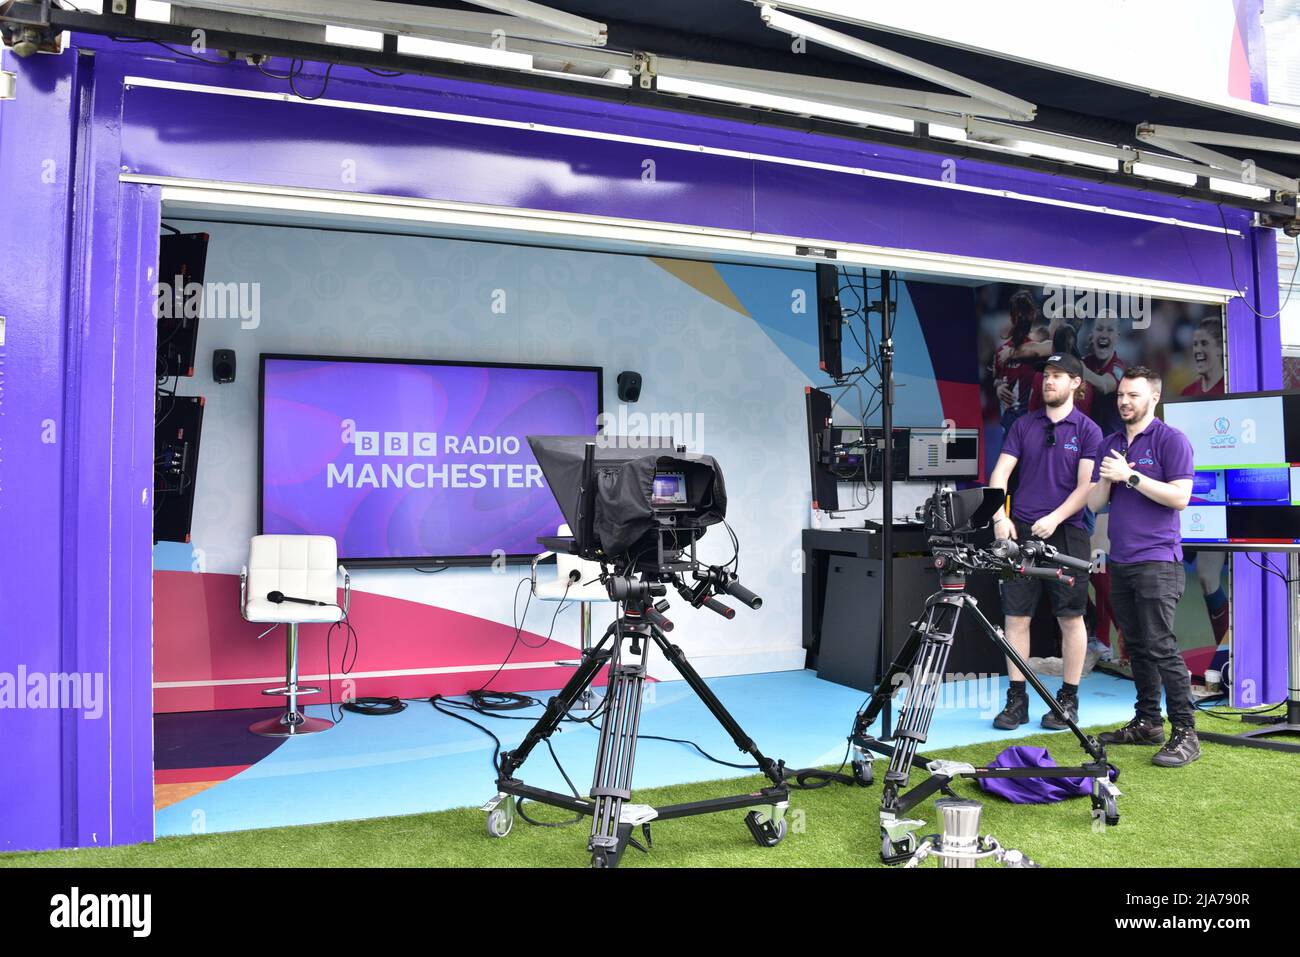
x=1260, y=737
x=290, y=725
x=293, y=722
x=1274, y=725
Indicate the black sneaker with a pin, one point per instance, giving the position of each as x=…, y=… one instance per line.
x=1137, y=731
x=1069, y=702
x=1183, y=748
x=1015, y=713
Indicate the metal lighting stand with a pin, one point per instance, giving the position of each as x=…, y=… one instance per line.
x=887, y=480
x=1289, y=722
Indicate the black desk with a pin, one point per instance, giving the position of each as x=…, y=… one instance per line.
x=842, y=607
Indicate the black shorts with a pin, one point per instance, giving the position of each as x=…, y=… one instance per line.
x=1020, y=595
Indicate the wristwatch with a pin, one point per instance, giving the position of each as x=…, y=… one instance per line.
x=1133, y=480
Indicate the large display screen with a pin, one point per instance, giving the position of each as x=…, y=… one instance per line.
x=1246, y=448
x=411, y=462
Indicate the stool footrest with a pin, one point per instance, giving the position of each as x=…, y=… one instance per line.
x=286, y=690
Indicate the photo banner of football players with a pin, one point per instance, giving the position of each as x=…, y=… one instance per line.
x=1020, y=326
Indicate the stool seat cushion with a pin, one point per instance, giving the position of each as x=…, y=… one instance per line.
x=301, y=566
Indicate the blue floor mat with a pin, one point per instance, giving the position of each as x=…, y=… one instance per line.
x=420, y=760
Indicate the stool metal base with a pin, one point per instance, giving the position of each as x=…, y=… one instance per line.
x=290, y=725
x=293, y=722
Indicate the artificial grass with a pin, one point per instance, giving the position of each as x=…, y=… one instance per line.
x=1235, y=807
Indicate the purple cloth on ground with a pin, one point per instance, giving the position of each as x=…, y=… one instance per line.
x=1033, y=790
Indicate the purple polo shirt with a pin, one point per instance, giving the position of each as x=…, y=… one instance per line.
x=1142, y=530
x=1049, y=474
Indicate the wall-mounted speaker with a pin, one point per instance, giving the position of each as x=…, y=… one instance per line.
x=629, y=386
x=223, y=365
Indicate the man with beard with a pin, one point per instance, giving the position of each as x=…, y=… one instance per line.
x=1104, y=369
x=1145, y=474
x=1055, y=448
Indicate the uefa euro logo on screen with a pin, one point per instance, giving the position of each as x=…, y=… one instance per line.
x=1221, y=439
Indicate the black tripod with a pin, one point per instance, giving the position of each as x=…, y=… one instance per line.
x=640, y=622
x=920, y=665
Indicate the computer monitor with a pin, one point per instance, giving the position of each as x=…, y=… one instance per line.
x=1246, y=455
x=943, y=453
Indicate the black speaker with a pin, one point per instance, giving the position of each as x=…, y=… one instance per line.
x=223, y=365
x=830, y=319
x=629, y=386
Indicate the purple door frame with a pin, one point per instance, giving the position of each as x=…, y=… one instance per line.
x=76, y=406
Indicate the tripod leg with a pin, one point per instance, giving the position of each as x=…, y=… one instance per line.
x=744, y=742
x=935, y=633
x=999, y=638
x=889, y=683
x=558, y=706
x=615, y=756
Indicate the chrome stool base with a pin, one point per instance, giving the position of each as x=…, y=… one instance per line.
x=290, y=725
x=293, y=722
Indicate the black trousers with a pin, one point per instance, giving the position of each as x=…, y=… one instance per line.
x=1145, y=596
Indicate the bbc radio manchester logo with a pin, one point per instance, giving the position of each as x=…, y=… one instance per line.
x=403, y=473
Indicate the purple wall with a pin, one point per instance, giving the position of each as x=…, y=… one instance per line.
x=74, y=513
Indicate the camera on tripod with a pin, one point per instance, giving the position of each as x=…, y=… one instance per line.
x=950, y=513
x=954, y=517
x=954, y=520
x=637, y=506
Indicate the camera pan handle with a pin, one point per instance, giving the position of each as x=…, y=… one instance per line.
x=660, y=622
x=1030, y=571
x=734, y=588
x=726, y=611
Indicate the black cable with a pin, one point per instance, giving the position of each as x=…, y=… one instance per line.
x=431, y=571
x=345, y=669
x=174, y=230
x=375, y=706
x=725, y=764
x=519, y=802
x=496, y=742
x=295, y=67
x=325, y=82
x=519, y=626
x=171, y=50
x=1270, y=568
x=1238, y=714
x=803, y=776
x=1232, y=266
x=500, y=700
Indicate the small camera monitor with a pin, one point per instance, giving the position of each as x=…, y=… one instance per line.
x=669, y=490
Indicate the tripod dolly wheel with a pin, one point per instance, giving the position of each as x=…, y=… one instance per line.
x=1112, y=811
x=502, y=819
x=1108, y=805
x=766, y=832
